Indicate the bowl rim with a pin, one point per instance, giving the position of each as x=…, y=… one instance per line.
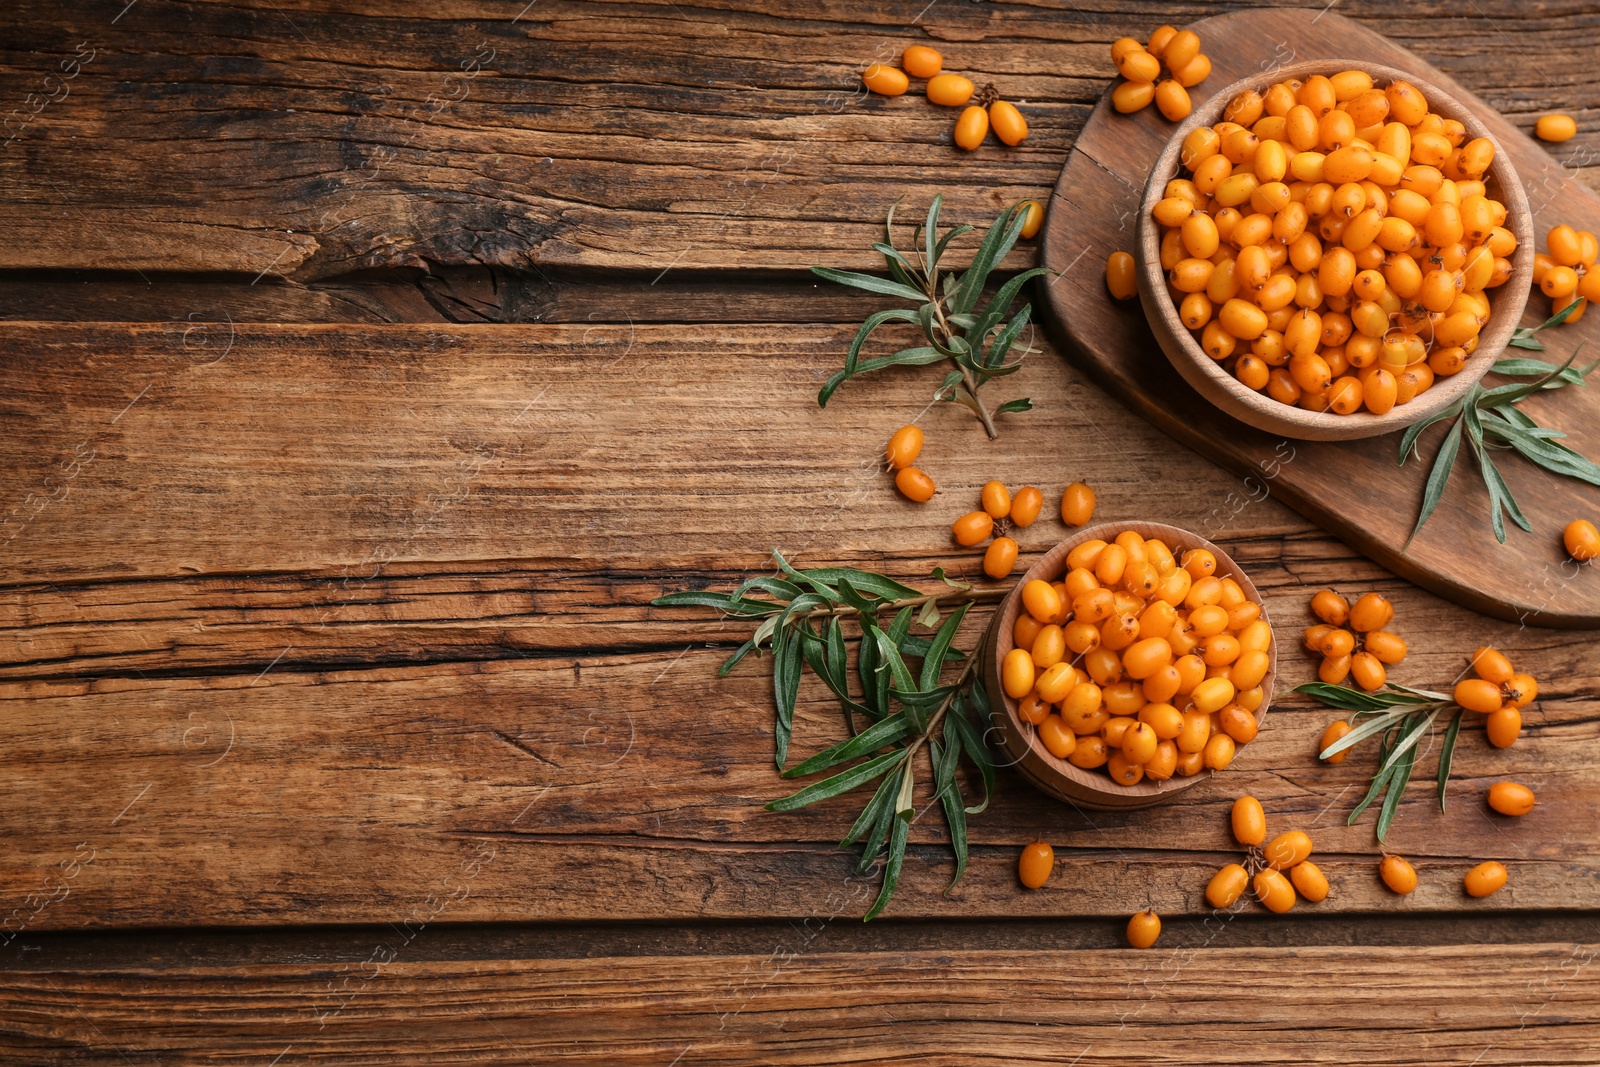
x=1255, y=408
x=1002, y=642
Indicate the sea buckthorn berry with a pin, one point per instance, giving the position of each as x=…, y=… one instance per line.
x=1055, y=682
x=1057, y=737
x=1238, y=724
x=1212, y=694
x=1521, y=690
x=885, y=80
x=1491, y=665
x=1025, y=630
x=996, y=499
x=1227, y=885
x=1398, y=874
x=1000, y=558
x=1371, y=612
x=1478, y=695
x=1137, y=65
x=1132, y=96
x=1310, y=881
x=1287, y=849
x=1582, y=540
x=1049, y=648
x=971, y=127
x=1387, y=647
x=1274, y=891
x=1121, y=277
x=904, y=447
x=1337, y=642
x=1035, y=864
x=1368, y=671
x=1180, y=49
x=1249, y=821
x=1010, y=126
x=1334, y=670
x=1555, y=128
x=920, y=61
x=914, y=485
x=1092, y=752
x=1193, y=72
x=1485, y=879
x=1330, y=607
x=972, y=528
x=1017, y=673
x=1034, y=220
x=1164, y=719
x=1219, y=752
x=1173, y=100
x=1511, y=798
x=1139, y=744
x=1143, y=929
x=1158, y=40
x=1144, y=658
x=1503, y=727
x=1025, y=506
x=1077, y=504
x=1041, y=600
x=949, y=90
x=1033, y=709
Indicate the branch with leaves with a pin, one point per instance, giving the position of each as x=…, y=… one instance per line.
x=1490, y=421
x=976, y=343
x=1401, y=717
x=905, y=702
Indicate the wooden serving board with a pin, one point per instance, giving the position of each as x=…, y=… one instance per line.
x=1353, y=488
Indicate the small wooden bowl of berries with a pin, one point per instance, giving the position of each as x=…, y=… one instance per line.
x=1333, y=250
x=1130, y=662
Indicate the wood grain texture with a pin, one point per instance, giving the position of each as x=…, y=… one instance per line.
x=310, y=139
x=355, y=563
x=1440, y=1007
x=1352, y=488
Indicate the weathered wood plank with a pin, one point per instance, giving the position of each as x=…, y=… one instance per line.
x=1440, y=1007
x=640, y=136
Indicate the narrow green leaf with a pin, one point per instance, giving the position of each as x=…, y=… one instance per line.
x=1538, y=446
x=847, y=593
x=878, y=810
x=843, y=782
x=1348, y=699
x=874, y=737
x=1447, y=753
x=996, y=243
x=939, y=575
x=955, y=815
x=1379, y=782
x=766, y=583
x=1525, y=367
x=933, y=663
x=1408, y=442
x=879, y=833
x=852, y=364
x=1438, y=477
x=899, y=672
x=866, y=581
x=1412, y=731
x=1010, y=406
x=732, y=661
x=1510, y=394
x=930, y=233
x=972, y=739
x=785, y=688
x=929, y=615
x=1358, y=734
x=870, y=282
x=1002, y=301
x=898, y=836
x=944, y=242
x=746, y=607
x=1397, y=791
x=1499, y=493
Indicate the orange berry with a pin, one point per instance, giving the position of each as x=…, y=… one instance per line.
x=1025, y=506
x=885, y=80
x=1310, y=881
x=1035, y=864
x=904, y=447
x=1372, y=612
x=948, y=90
x=915, y=484
x=972, y=528
x=971, y=128
x=1249, y=821
x=1581, y=539
x=1000, y=558
x=1511, y=798
x=920, y=61
x=1077, y=504
x=1144, y=928
x=1332, y=734
x=996, y=499
x=1274, y=891
x=1492, y=666
x=1476, y=694
x=1008, y=123
x=1121, y=277
x=1503, y=726
x=1398, y=874
x=1485, y=878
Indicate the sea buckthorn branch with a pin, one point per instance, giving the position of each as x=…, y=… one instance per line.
x=1400, y=717
x=905, y=711
x=975, y=342
x=1491, y=421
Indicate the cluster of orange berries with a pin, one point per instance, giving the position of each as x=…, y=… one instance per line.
x=1177, y=50
x=1289, y=851
x=1138, y=662
x=1352, y=639
x=949, y=90
x=1499, y=692
x=1334, y=242
x=1565, y=271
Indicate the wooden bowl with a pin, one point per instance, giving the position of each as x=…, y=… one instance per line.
x=1019, y=741
x=1214, y=383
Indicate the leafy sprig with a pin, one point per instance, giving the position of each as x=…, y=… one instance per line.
x=975, y=342
x=1400, y=717
x=904, y=700
x=1490, y=421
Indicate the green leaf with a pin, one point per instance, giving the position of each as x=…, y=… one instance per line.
x=900, y=832
x=1358, y=734
x=785, y=688
x=933, y=663
x=972, y=739
x=944, y=242
x=1537, y=445
x=1438, y=477
x=1397, y=790
x=874, y=737
x=996, y=243
x=1523, y=367
x=899, y=672
x=889, y=790
x=843, y=782
x=874, y=682
x=1409, y=440
x=732, y=661
x=929, y=615
x=1010, y=406
x=852, y=365
x=776, y=587
x=955, y=815
x=939, y=575
x=875, y=584
x=1412, y=731
x=870, y=282
x=1499, y=493
x=732, y=605
x=1447, y=753
x=1002, y=343
x=847, y=593
x=1001, y=302
x=1348, y=699
x=878, y=811
x=930, y=233
x=1510, y=394
x=1379, y=782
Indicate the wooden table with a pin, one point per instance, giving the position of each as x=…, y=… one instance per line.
x=367, y=374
